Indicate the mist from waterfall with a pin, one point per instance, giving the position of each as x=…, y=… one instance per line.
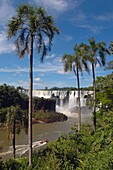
x=66, y=101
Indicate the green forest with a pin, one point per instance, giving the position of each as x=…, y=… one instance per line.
x=87, y=146
x=83, y=150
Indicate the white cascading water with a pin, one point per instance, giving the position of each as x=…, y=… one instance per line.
x=66, y=101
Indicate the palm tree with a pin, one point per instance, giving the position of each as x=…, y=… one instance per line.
x=14, y=121
x=97, y=52
x=30, y=26
x=77, y=63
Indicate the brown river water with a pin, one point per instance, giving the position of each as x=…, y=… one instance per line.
x=50, y=131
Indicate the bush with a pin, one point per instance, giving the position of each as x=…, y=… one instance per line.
x=49, y=117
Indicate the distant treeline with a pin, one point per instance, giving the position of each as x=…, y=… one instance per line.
x=11, y=96
x=68, y=88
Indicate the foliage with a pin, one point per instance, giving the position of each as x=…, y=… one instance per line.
x=46, y=104
x=14, y=113
x=85, y=150
x=15, y=122
x=96, y=55
x=31, y=21
x=1, y=164
x=9, y=96
x=100, y=155
x=3, y=113
x=49, y=116
x=104, y=92
x=109, y=65
x=77, y=63
x=30, y=26
x=81, y=151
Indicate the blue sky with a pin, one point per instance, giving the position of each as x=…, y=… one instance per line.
x=78, y=21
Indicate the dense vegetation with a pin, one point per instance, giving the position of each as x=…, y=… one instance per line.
x=14, y=111
x=81, y=151
x=104, y=87
x=45, y=104
x=9, y=96
x=42, y=108
x=69, y=88
x=84, y=150
x=48, y=117
x=28, y=28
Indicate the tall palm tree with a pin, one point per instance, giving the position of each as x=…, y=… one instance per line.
x=30, y=26
x=77, y=63
x=14, y=121
x=97, y=53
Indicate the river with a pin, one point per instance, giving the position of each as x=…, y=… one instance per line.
x=50, y=131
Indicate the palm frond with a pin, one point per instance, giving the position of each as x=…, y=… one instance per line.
x=86, y=66
x=44, y=52
x=21, y=44
x=109, y=65
x=30, y=19
x=24, y=51
x=14, y=26
x=102, y=57
x=98, y=61
x=67, y=60
x=39, y=42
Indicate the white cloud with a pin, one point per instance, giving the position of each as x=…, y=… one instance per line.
x=6, y=11
x=37, y=79
x=37, y=85
x=5, y=45
x=93, y=28
x=14, y=70
x=104, y=17
x=59, y=6
x=48, y=67
x=94, y=23
x=23, y=82
x=42, y=68
x=41, y=74
x=50, y=56
x=78, y=16
x=68, y=37
x=62, y=72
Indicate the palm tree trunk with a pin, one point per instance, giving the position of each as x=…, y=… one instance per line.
x=79, y=104
x=14, y=138
x=30, y=101
x=94, y=96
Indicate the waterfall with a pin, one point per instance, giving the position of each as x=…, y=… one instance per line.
x=66, y=101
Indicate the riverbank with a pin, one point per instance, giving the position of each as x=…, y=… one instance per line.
x=45, y=116
x=50, y=131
